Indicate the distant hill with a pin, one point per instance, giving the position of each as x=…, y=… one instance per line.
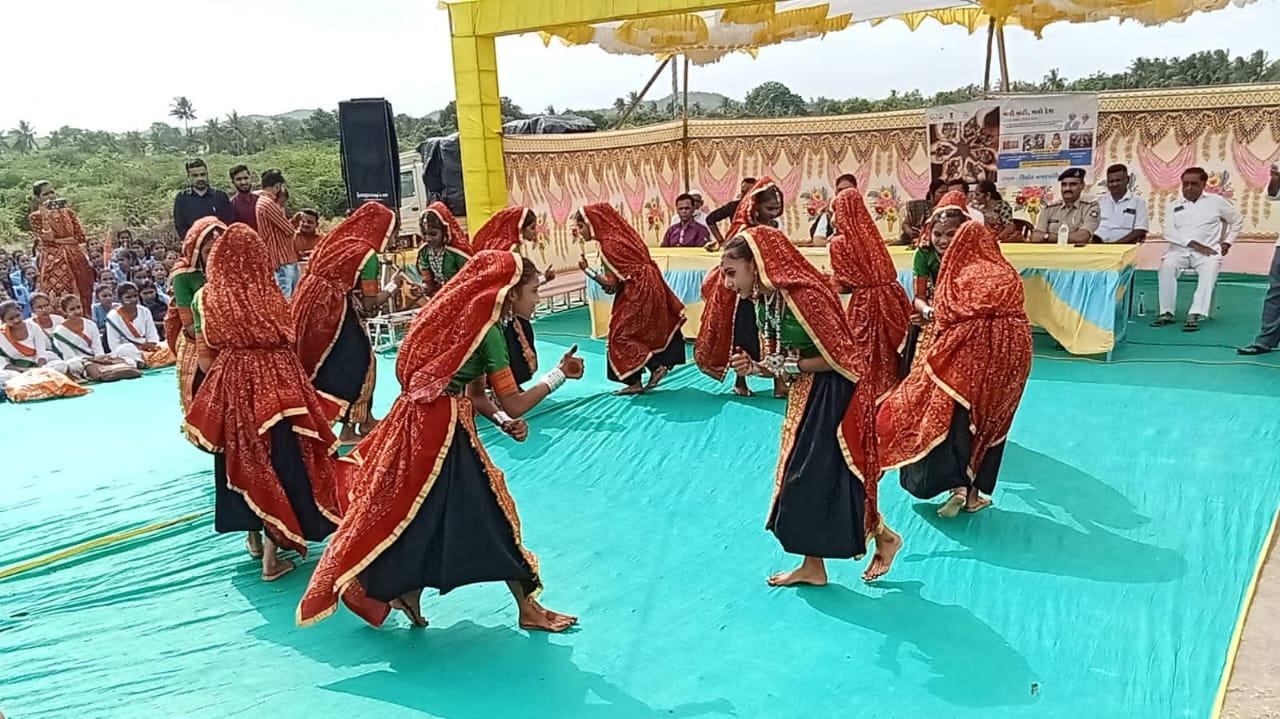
x=298, y=115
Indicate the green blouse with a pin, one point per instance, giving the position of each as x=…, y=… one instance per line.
x=794, y=336
x=927, y=262
x=370, y=269
x=197, y=317
x=185, y=286
x=452, y=263
x=489, y=358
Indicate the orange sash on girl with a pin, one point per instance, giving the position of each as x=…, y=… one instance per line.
x=980, y=356
x=24, y=350
x=320, y=302
x=189, y=262
x=715, y=337
x=502, y=231
x=879, y=311
x=255, y=382
x=391, y=472
x=647, y=314
x=810, y=298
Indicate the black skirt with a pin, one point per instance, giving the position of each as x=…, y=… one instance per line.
x=820, y=508
x=459, y=536
x=909, y=351
x=671, y=356
x=515, y=351
x=746, y=333
x=943, y=468
x=344, y=370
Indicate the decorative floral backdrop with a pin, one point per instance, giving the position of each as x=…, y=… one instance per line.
x=1232, y=132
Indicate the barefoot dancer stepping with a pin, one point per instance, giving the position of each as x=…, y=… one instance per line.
x=946, y=424
x=255, y=410
x=824, y=500
x=333, y=346
x=644, y=324
x=427, y=506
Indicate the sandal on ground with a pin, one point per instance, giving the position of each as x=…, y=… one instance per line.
x=1192, y=324
x=1253, y=350
x=285, y=567
x=1163, y=320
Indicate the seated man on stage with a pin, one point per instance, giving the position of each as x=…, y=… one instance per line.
x=1079, y=216
x=688, y=231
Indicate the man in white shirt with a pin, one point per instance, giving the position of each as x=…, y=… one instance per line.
x=1193, y=225
x=1269, y=336
x=1123, y=218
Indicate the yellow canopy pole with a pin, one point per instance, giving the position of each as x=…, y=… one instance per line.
x=986, y=73
x=475, y=75
x=684, y=139
x=1004, y=59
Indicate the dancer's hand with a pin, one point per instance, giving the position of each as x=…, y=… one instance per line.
x=571, y=364
x=517, y=429
x=550, y=274
x=582, y=263
x=742, y=363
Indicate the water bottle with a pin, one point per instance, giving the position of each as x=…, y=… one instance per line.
x=1063, y=233
x=1142, y=305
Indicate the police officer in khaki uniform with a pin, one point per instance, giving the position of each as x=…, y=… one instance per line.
x=1081, y=217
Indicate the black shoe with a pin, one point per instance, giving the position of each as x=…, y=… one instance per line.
x=1253, y=350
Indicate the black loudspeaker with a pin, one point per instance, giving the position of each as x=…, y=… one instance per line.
x=370, y=154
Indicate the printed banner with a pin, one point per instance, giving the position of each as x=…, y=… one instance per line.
x=1014, y=140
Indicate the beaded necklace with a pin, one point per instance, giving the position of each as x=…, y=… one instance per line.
x=435, y=261
x=775, y=306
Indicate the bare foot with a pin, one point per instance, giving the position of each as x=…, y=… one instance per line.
x=535, y=617
x=951, y=508
x=657, y=376
x=411, y=610
x=811, y=571
x=780, y=389
x=888, y=543
x=276, y=568
x=253, y=543
x=977, y=505
x=741, y=389
x=630, y=390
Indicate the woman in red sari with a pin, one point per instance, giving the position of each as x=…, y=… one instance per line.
x=945, y=426
x=255, y=409
x=644, y=327
x=824, y=499
x=506, y=231
x=333, y=346
x=426, y=506
x=762, y=205
x=186, y=278
x=879, y=312
x=64, y=267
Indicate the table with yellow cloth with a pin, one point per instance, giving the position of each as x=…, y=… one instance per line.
x=1077, y=294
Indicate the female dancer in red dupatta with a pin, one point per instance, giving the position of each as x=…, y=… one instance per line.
x=255, y=409
x=824, y=498
x=946, y=424
x=445, y=247
x=185, y=279
x=506, y=231
x=64, y=267
x=879, y=312
x=334, y=348
x=762, y=205
x=426, y=507
x=644, y=326
x=944, y=219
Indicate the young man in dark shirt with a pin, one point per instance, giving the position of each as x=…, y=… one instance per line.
x=199, y=200
x=727, y=210
x=245, y=202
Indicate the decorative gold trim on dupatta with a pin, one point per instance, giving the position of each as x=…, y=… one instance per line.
x=797, y=402
x=196, y=436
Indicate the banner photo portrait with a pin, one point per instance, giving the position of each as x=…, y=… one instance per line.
x=1013, y=140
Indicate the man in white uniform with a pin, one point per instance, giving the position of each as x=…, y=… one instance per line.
x=1269, y=336
x=1123, y=215
x=1193, y=225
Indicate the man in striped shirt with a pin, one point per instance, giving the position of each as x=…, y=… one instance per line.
x=277, y=231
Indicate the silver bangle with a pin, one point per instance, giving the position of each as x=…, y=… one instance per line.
x=553, y=380
x=501, y=418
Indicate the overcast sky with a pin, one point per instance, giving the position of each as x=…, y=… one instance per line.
x=117, y=66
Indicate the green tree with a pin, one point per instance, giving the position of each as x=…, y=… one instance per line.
x=182, y=109
x=134, y=143
x=321, y=125
x=773, y=99
x=23, y=138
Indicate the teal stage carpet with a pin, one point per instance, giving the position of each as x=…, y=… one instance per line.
x=1107, y=580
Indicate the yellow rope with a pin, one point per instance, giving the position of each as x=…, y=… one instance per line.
x=98, y=543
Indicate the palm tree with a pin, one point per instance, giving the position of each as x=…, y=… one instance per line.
x=619, y=105
x=183, y=110
x=24, y=138
x=238, y=132
x=1054, y=81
